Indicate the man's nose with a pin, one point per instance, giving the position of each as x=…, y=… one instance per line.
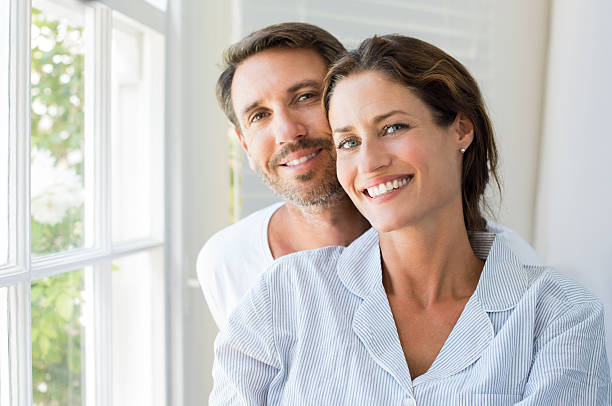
x=288, y=127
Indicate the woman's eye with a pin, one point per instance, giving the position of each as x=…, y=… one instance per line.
x=348, y=144
x=389, y=129
x=257, y=116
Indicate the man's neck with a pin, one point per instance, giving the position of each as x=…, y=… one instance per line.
x=293, y=228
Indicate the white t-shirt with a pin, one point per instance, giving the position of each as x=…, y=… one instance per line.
x=231, y=260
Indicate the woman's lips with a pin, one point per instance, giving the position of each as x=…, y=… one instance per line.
x=388, y=186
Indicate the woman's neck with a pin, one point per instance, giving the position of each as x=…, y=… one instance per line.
x=429, y=263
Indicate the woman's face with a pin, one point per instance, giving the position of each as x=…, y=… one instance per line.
x=398, y=166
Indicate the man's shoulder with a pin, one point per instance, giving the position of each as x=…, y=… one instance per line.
x=234, y=240
x=230, y=261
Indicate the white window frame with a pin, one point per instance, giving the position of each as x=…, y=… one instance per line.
x=22, y=268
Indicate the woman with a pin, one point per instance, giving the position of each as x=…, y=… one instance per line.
x=427, y=307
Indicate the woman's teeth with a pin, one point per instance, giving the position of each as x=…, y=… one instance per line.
x=387, y=187
x=302, y=159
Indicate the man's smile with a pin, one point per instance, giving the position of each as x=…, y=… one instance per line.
x=301, y=157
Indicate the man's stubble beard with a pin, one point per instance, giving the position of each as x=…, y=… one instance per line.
x=299, y=189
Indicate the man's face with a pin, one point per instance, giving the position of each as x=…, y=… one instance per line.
x=276, y=98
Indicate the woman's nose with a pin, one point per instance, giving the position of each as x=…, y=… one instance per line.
x=373, y=156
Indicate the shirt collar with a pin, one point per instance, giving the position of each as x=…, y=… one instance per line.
x=501, y=285
x=503, y=280
x=359, y=265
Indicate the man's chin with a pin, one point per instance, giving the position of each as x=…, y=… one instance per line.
x=310, y=195
x=325, y=200
x=315, y=187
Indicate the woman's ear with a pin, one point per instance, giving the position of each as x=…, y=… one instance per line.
x=464, y=128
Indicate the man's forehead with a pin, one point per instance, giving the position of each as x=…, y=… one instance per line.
x=274, y=73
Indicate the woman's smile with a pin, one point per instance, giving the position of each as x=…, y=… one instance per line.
x=382, y=187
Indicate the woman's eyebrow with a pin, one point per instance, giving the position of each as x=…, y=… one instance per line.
x=381, y=117
x=343, y=129
x=376, y=120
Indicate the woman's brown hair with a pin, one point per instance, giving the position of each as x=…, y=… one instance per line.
x=446, y=86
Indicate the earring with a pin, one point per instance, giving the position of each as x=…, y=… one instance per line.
x=462, y=150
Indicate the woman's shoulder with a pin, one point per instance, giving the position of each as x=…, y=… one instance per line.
x=513, y=270
x=554, y=285
x=559, y=302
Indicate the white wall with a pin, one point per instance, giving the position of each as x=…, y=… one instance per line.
x=574, y=205
x=197, y=183
x=518, y=40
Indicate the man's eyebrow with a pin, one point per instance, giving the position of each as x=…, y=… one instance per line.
x=292, y=89
x=376, y=120
x=303, y=84
x=250, y=107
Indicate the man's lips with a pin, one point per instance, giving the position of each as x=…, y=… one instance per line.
x=298, y=149
x=383, y=185
x=300, y=157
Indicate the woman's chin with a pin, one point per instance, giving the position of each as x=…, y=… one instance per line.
x=386, y=224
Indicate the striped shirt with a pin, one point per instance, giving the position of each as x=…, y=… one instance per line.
x=317, y=329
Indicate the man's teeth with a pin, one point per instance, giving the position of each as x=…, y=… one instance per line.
x=387, y=187
x=301, y=160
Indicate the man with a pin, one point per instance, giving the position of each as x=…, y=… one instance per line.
x=270, y=90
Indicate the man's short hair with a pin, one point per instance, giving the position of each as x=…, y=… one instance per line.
x=284, y=35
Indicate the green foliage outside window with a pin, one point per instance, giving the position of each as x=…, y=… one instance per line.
x=56, y=340
x=57, y=206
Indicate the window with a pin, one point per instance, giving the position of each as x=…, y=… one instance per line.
x=4, y=134
x=82, y=292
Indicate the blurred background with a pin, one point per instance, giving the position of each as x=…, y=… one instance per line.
x=118, y=166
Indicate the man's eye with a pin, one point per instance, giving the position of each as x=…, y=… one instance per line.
x=389, y=129
x=348, y=143
x=305, y=96
x=257, y=116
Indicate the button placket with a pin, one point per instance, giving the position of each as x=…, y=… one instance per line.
x=409, y=402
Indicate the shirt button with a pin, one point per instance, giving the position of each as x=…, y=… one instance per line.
x=409, y=402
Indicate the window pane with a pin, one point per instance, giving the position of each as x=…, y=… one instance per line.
x=137, y=131
x=13, y=341
x=138, y=329
x=57, y=79
x=14, y=328
x=57, y=337
x=4, y=132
